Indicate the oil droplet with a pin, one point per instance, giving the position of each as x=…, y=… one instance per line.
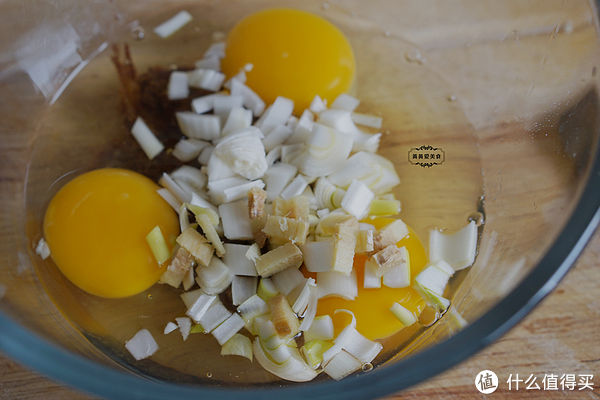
x=414, y=56
x=325, y=6
x=366, y=367
x=209, y=374
x=451, y=98
x=149, y=296
x=138, y=33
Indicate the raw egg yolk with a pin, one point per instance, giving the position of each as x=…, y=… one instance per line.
x=96, y=227
x=293, y=54
x=371, y=307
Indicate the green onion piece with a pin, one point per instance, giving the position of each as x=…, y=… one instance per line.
x=403, y=314
x=158, y=245
x=266, y=289
x=197, y=211
x=313, y=351
x=197, y=328
x=238, y=345
x=382, y=207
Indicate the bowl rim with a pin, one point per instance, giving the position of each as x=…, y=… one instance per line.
x=74, y=370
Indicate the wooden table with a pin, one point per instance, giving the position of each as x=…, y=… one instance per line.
x=560, y=336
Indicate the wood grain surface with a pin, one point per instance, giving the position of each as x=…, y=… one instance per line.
x=560, y=336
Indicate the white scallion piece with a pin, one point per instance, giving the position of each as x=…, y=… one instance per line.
x=187, y=149
x=217, y=169
x=158, y=245
x=189, y=298
x=188, y=279
x=146, y=139
x=371, y=121
x=276, y=137
x=345, y=102
x=337, y=284
x=205, y=154
x=194, y=126
x=354, y=343
x=277, y=177
x=253, y=307
x=328, y=195
x=435, y=277
x=357, y=199
x=273, y=156
x=371, y=279
x=318, y=105
x=238, y=192
x=200, y=305
x=457, y=249
x=242, y=288
x=288, y=279
x=320, y=329
x=185, y=325
x=200, y=201
x=294, y=369
x=170, y=327
x=326, y=150
x=266, y=289
x=222, y=105
x=236, y=260
x=251, y=100
x=303, y=128
x=294, y=188
x=180, y=194
x=203, y=104
x=276, y=114
x=214, y=316
x=399, y=275
x=366, y=142
x=214, y=278
x=238, y=345
x=318, y=256
x=237, y=186
x=340, y=120
x=291, y=153
x=215, y=50
x=253, y=253
x=311, y=309
x=177, y=88
x=173, y=24
x=373, y=170
x=141, y=345
x=169, y=198
x=228, y=328
x=42, y=249
x=403, y=314
x=323, y=212
x=191, y=175
x=244, y=153
x=239, y=118
x=211, y=62
x=206, y=79
x=303, y=298
x=342, y=365
x=235, y=219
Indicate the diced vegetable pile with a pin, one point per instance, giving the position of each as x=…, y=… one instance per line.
x=274, y=192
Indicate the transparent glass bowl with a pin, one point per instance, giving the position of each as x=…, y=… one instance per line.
x=508, y=92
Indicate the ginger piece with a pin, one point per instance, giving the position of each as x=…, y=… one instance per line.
x=178, y=267
x=390, y=234
x=344, y=229
x=278, y=259
x=296, y=207
x=283, y=317
x=283, y=229
x=386, y=259
x=256, y=212
x=196, y=244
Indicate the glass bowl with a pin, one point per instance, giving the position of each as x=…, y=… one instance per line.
x=506, y=93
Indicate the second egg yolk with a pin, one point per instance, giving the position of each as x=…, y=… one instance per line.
x=293, y=53
x=96, y=227
x=371, y=307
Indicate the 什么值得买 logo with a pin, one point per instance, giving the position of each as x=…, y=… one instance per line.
x=426, y=156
